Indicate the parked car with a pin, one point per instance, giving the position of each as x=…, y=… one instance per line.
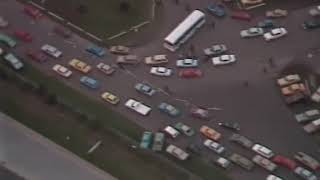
x=230, y=125
x=276, y=13
x=223, y=60
x=312, y=127
x=288, y=80
x=275, y=34
x=194, y=148
x=32, y=12
x=122, y=50
x=311, y=24
x=161, y=71
x=62, y=71
x=172, y=132
x=146, y=140
x=242, y=140
x=241, y=161
x=128, y=59
x=222, y=162
x=105, y=68
x=138, y=107
x=267, y=23
x=158, y=141
x=96, y=50
x=23, y=36
x=305, y=174
x=307, y=160
x=316, y=96
x=273, y=177
x=169, y=109
x=62, y=31
x=251, y=32
x=156, y=59
x=80, y=66
x=315, y=11
x=107, y=96
x=264, y=163
x=190, y=73
x=241, y=15
x=3, y=22
x=293, y=88
x=7, y=40
x=187, y=63
x=307, y=115
x=184, y=129
x=145, y=89
x=215, y=50
x=216, y=10
x=51, y=51
x=13, y=61
x=36, y=56
x=284, y=161
x=210, y=133
x=177, y=152
x=214, y=146
x=295, y=98
x=90, y=82
x=200, y=113
x=263, y=151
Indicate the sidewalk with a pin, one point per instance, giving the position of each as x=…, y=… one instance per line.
x=36, y=158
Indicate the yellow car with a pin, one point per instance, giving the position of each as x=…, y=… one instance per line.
x=80, y=66
x=110, y=98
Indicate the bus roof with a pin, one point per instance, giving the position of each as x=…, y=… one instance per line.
x=184, y=26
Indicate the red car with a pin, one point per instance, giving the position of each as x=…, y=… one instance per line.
x=284, y=161
x=241, y=15
x=22, y=35
x=33, y=12
x=190, y=73
x=63, y=32
x=36, y=56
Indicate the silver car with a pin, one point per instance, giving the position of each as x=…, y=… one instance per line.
x=215, y=50
x=305, y=174
x=251, y=32
x=307, y=115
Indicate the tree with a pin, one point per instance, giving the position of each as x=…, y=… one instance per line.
x=124, y=5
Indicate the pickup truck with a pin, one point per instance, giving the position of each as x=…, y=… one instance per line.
x=313, y=126
x=138, y=107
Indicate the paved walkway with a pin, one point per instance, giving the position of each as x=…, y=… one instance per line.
x=36, y=158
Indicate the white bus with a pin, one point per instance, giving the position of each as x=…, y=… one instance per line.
x=184, y=30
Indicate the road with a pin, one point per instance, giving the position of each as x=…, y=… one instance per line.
x=36, y=158
x=258, y=108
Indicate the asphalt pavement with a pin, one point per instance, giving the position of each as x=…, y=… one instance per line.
x=258, y=107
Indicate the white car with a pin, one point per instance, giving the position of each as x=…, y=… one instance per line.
x=216, y=147
x=172, y=132
x=138, y=107
x=222, y=162
x=275, y=34
x=263, y=151
x=316, y=96
x=62, y=71
x=156, y=59
x=273, y=177
x=105, y=68
x=51, y=51
x=315, y=11
x=224, y=59
x=251, y=32
x=161, y=71
x=187, y=63
x=177, y=152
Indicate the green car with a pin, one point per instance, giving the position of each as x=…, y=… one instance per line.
x=158, y=141
x=146, y=140
x=311, y=24
x=184, y=129
x=10, y=42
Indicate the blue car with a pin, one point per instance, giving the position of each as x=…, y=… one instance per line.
x=267, y=23
x=169, y=109
x=96, y=50
x=89, y=82
x=216, y=10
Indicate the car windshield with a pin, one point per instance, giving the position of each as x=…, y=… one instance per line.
x=187, y=61
x=161, y=70
x=253, y=30
x=276, y=31
x=217, y=48
x=146, y=88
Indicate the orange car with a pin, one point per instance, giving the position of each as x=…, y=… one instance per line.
x=293, y=89
x=210, y=133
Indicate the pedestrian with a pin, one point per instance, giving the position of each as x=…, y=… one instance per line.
x=264, y=69
x=271, y=62
x=213, y=24
x=176, y=1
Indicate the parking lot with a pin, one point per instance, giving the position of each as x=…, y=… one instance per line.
x=258, y=107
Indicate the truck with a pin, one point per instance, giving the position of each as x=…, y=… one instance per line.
x=138, y=107
x=312, y=127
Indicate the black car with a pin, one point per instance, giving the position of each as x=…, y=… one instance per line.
x=311, y=24
x=194, y=148
x=230, y=125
